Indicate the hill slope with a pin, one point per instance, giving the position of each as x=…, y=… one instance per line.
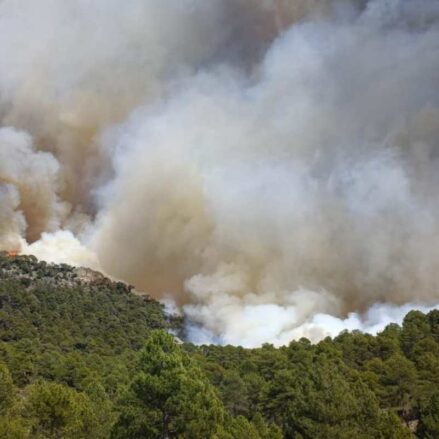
x=77, y=309
x=52, y=312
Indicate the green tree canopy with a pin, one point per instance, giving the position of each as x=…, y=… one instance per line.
x=174, y=398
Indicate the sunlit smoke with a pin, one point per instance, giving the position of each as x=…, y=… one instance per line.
x=270, y=165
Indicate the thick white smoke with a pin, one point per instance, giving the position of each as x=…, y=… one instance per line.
x=266, y=163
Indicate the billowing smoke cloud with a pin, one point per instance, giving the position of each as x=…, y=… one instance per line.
x=29, y=186
x=272, y=165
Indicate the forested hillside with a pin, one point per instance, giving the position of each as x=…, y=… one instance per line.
x=84, y=357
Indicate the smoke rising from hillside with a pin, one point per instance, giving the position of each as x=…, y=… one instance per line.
x=270, y=165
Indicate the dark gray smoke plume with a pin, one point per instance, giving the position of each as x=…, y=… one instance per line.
x=270, y=165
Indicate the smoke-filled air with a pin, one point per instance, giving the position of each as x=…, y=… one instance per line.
x=270, y=167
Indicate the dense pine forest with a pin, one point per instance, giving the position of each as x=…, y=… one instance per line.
x=85, y=357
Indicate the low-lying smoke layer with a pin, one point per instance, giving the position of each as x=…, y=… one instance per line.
x=270, y=165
